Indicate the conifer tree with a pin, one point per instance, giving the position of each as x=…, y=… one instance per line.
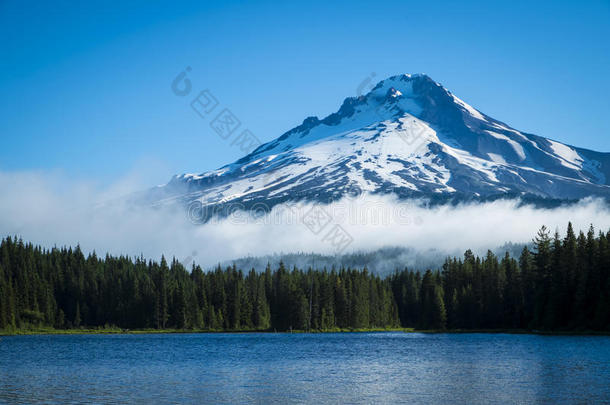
x=77, y=318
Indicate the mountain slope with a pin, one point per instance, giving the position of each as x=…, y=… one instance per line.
x=409, y=136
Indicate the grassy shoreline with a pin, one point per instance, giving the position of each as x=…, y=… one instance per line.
x=119, y=331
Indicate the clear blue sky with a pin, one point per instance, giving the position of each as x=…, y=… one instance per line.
x=85, y=86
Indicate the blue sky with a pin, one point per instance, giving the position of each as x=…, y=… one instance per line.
x=85, y=87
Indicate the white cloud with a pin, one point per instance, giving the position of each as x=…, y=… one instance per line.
x=51, y=209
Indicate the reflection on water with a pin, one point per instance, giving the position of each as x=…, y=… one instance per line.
x=314, y=368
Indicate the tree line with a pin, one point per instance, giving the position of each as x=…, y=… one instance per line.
x=62, y=288
x=559, y=284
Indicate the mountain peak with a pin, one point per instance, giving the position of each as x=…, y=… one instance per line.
x=407, y=136
x=391, y=98
x=405, y=81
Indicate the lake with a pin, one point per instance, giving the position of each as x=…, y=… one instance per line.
x=305, y=368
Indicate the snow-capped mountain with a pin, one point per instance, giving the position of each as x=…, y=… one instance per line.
x=409, y=136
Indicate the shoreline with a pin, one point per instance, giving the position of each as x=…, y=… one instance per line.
x=119, y=331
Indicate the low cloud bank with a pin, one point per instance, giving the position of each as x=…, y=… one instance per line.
x=52, y=210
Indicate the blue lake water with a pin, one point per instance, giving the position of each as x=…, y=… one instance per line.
x=305, y=368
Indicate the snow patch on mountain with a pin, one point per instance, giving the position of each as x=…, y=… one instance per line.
x=569, y=157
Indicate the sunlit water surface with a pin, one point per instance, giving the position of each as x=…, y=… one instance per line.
x=305, y=368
